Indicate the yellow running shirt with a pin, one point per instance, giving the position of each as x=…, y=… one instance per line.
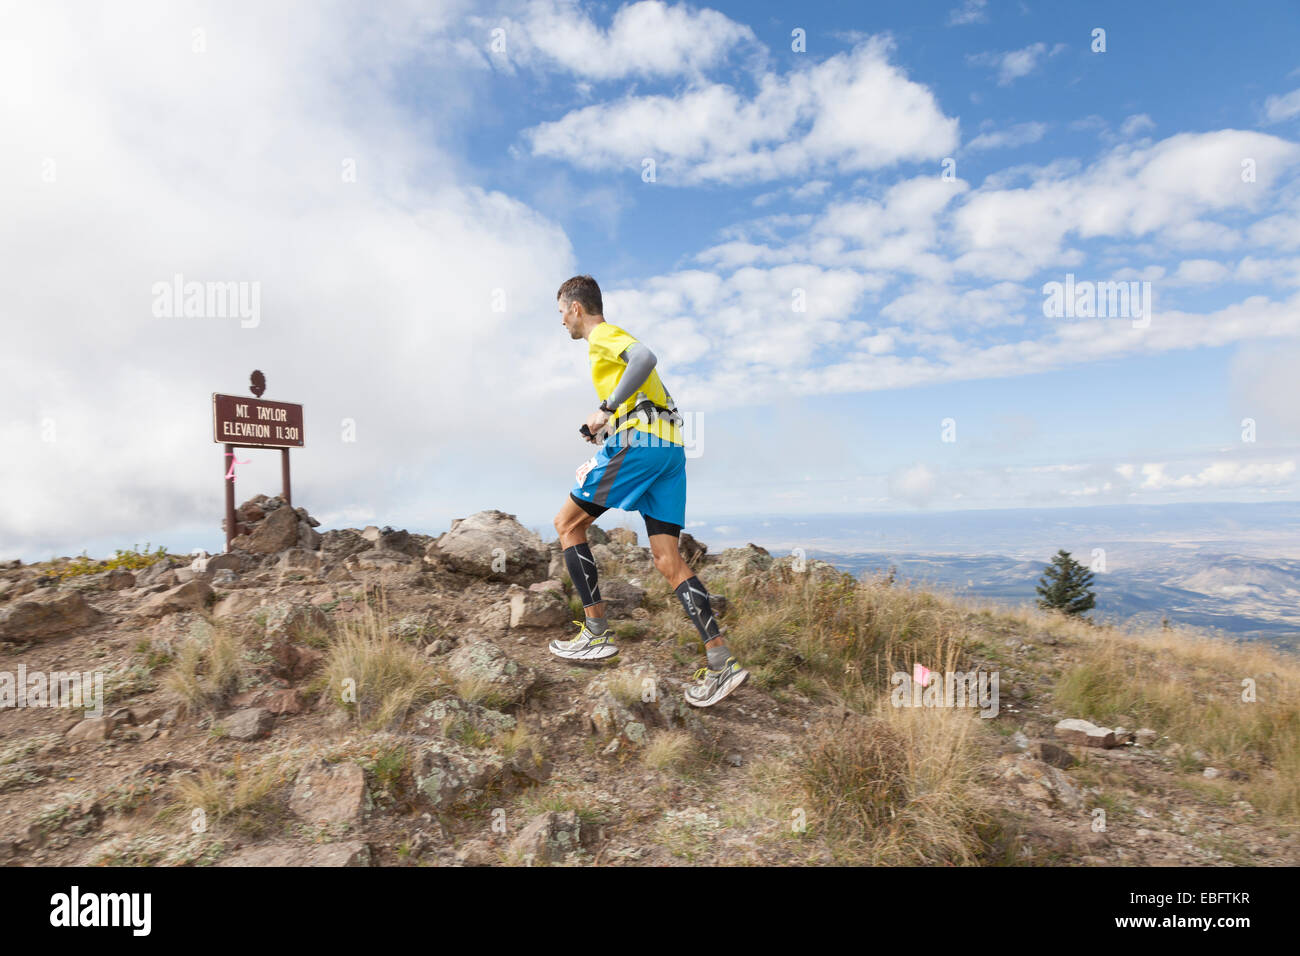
x=605, y=345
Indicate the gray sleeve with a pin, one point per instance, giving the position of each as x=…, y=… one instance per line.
x=640, y=362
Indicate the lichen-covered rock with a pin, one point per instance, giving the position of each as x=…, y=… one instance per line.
x=547, y=838
x=483, y=661
x=449, y=715
x=448, y=774
x=623, y=705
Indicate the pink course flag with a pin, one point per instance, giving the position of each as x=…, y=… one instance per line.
x=921, y=674
x=234, y=461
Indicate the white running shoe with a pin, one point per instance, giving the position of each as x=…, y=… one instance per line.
x=585, y=647
x=715, y=685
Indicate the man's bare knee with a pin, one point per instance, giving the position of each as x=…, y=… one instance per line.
x=669, y=564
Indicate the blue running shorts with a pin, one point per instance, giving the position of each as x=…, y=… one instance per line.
x=635, y=471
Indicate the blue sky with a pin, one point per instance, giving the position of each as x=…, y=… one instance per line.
x=499, y=148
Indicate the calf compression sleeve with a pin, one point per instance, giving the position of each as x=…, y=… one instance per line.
x=582, y=569
x=695, y=599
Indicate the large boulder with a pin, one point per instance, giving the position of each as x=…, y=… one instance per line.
x=277, y=532
x=44, y=615
x=229, y=561
x=237, y=603
x=295, y=622
x=492, y=545
x=267, y=526
x=299, y=559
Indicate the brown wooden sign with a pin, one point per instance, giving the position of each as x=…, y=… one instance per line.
x=256, y=422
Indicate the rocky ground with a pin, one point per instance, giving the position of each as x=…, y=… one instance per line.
x=615, y=768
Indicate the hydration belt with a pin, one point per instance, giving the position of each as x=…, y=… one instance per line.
x=647, y=411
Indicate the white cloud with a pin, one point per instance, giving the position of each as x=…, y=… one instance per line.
x=854, y=111
x=1136, y=124
x=1219, y=474
x=1014, y=64
x=971, y=11
x=1021, y=134
x=647, y=38
x=1132, y=192
x=228, y=165
x=1277, y=109
x=896, y=232
x=1201, y=271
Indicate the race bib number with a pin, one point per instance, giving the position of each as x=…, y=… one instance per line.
x=585, y=467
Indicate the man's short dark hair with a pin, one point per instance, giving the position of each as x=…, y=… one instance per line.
x=582, y=289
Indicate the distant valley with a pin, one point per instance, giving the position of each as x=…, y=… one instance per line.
x=1229, y=568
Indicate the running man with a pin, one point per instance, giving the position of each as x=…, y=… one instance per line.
x=641, y=466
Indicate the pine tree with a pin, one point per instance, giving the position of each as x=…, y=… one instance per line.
x=1064, y=586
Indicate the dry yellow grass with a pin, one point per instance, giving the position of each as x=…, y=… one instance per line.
x=207, y=667
x=669, y=750
x=377, y=677
x=235, y=796
x=842, y=638
x=626, y=687
x=897, y=788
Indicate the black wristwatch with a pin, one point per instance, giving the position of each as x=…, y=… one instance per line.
x=604, y=407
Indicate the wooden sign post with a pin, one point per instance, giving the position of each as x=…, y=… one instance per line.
x=239, y=422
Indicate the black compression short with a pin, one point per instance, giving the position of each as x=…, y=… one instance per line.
x=652, y=525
